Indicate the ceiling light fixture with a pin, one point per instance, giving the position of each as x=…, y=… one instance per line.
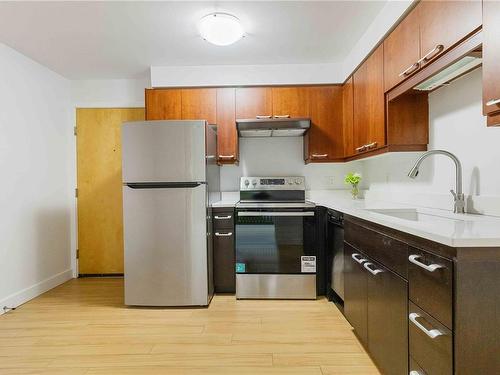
x=221, y=29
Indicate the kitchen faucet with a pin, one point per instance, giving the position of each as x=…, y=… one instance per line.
x=458, y=195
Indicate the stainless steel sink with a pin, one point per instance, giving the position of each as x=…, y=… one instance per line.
x=411, y=214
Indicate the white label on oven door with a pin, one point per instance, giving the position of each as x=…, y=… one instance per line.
x=308, y=264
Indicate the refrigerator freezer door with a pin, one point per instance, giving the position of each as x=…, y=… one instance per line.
x=163, y=151
x=165, y=246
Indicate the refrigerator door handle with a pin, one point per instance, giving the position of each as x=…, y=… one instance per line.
x=163, y=185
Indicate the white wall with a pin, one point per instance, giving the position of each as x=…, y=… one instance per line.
x=456, y=125
x=283, y=157
x=37, y=208
x=109, y=93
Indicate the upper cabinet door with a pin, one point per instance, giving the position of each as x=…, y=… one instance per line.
x=402, y=51
x=324, y=140
x=227, y=136
x=444, y=23
x=491, y=60
x=252, y=102
x=163, y=104
x=290, y=101
x=199, y=104
x=369, y=103
x=348, y=116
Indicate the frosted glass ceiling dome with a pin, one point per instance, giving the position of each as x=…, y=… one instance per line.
x=221, y=29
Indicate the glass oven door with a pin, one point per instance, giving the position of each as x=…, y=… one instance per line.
x=275, y=241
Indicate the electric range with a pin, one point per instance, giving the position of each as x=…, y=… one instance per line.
x=276, y=246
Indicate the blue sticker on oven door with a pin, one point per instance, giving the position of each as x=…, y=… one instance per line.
x=240, y=267
x=308, y=264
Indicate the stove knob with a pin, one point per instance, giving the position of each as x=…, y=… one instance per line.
x=290, y=182
x=297, y=181
x=254, y=182
x=247, y=182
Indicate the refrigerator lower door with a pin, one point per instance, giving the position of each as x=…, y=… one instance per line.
x=165, y=238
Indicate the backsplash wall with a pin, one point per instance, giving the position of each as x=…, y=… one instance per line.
x=456, y=125
x=283, y=157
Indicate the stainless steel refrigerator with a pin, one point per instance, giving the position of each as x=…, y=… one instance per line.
x=170, y=179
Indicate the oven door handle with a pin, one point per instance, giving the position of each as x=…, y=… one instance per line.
x=276, y=213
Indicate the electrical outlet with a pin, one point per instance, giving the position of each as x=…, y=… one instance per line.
x=329, y=181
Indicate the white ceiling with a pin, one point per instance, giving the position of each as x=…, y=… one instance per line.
x=101, y=40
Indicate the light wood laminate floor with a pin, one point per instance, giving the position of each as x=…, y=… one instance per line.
x=82, y=327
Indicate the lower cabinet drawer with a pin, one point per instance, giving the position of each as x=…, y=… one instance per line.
x=431, y=343
x=415, y=369
x=223, y=218
x=224, y=262
x=431, y=284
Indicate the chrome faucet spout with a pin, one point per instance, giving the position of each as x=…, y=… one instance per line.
x=458, y=195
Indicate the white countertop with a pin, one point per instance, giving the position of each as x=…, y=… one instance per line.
x=445, y=227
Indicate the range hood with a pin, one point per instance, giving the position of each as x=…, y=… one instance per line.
x=272, y=127
x=466, y=64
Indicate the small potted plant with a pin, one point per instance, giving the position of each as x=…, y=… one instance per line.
x=353, y=179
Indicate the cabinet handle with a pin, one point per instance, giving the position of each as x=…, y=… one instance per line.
x=433, y=333
x=319, y=156
x=409, y=70
x=371, y=145
x=222, y=217
x=228, y=234
x=415, y=373
x=431, y=267
x=208, y=157
x=226, y=156
x=261, y=117
x=373, y=272
x=359, y=260
x=492, y=102
x=361, y=148
x=431, y=54
x=281, y=116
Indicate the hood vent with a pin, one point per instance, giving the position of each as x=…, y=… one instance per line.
x=272, y=127
x=454, y=71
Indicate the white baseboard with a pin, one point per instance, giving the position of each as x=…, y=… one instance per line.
x=23, y=296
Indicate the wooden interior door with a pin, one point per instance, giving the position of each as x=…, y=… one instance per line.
x=99, y=174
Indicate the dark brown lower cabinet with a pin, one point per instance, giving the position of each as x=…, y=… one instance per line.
x=376, y=305
x=387, y=314
x=224, y=256
x=224, y=268
x=356, y=293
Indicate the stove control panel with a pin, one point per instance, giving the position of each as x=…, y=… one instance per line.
x=272, y=183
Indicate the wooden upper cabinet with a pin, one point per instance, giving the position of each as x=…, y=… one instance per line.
x=348, y=116
x=444, y=23
x=369, y=103
x=491, y=61
x=324, y=140
x=227, y=135
x=290, y=101
x=199, y=104
x=402, y=51
x=163, y=104
x=253, y=101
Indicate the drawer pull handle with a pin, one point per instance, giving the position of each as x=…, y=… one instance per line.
x=431, y=54
x=359, y=260
x=228, y=234
x=373, y=272
x=430, y=267
x=361, y=148
x=433, y=333
x=281, y=116
x=492, y=102
x=319, y=156
x=409, y=70
x=371, y=145
x=260, y=117
x=222, y=217
x=226, y=156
